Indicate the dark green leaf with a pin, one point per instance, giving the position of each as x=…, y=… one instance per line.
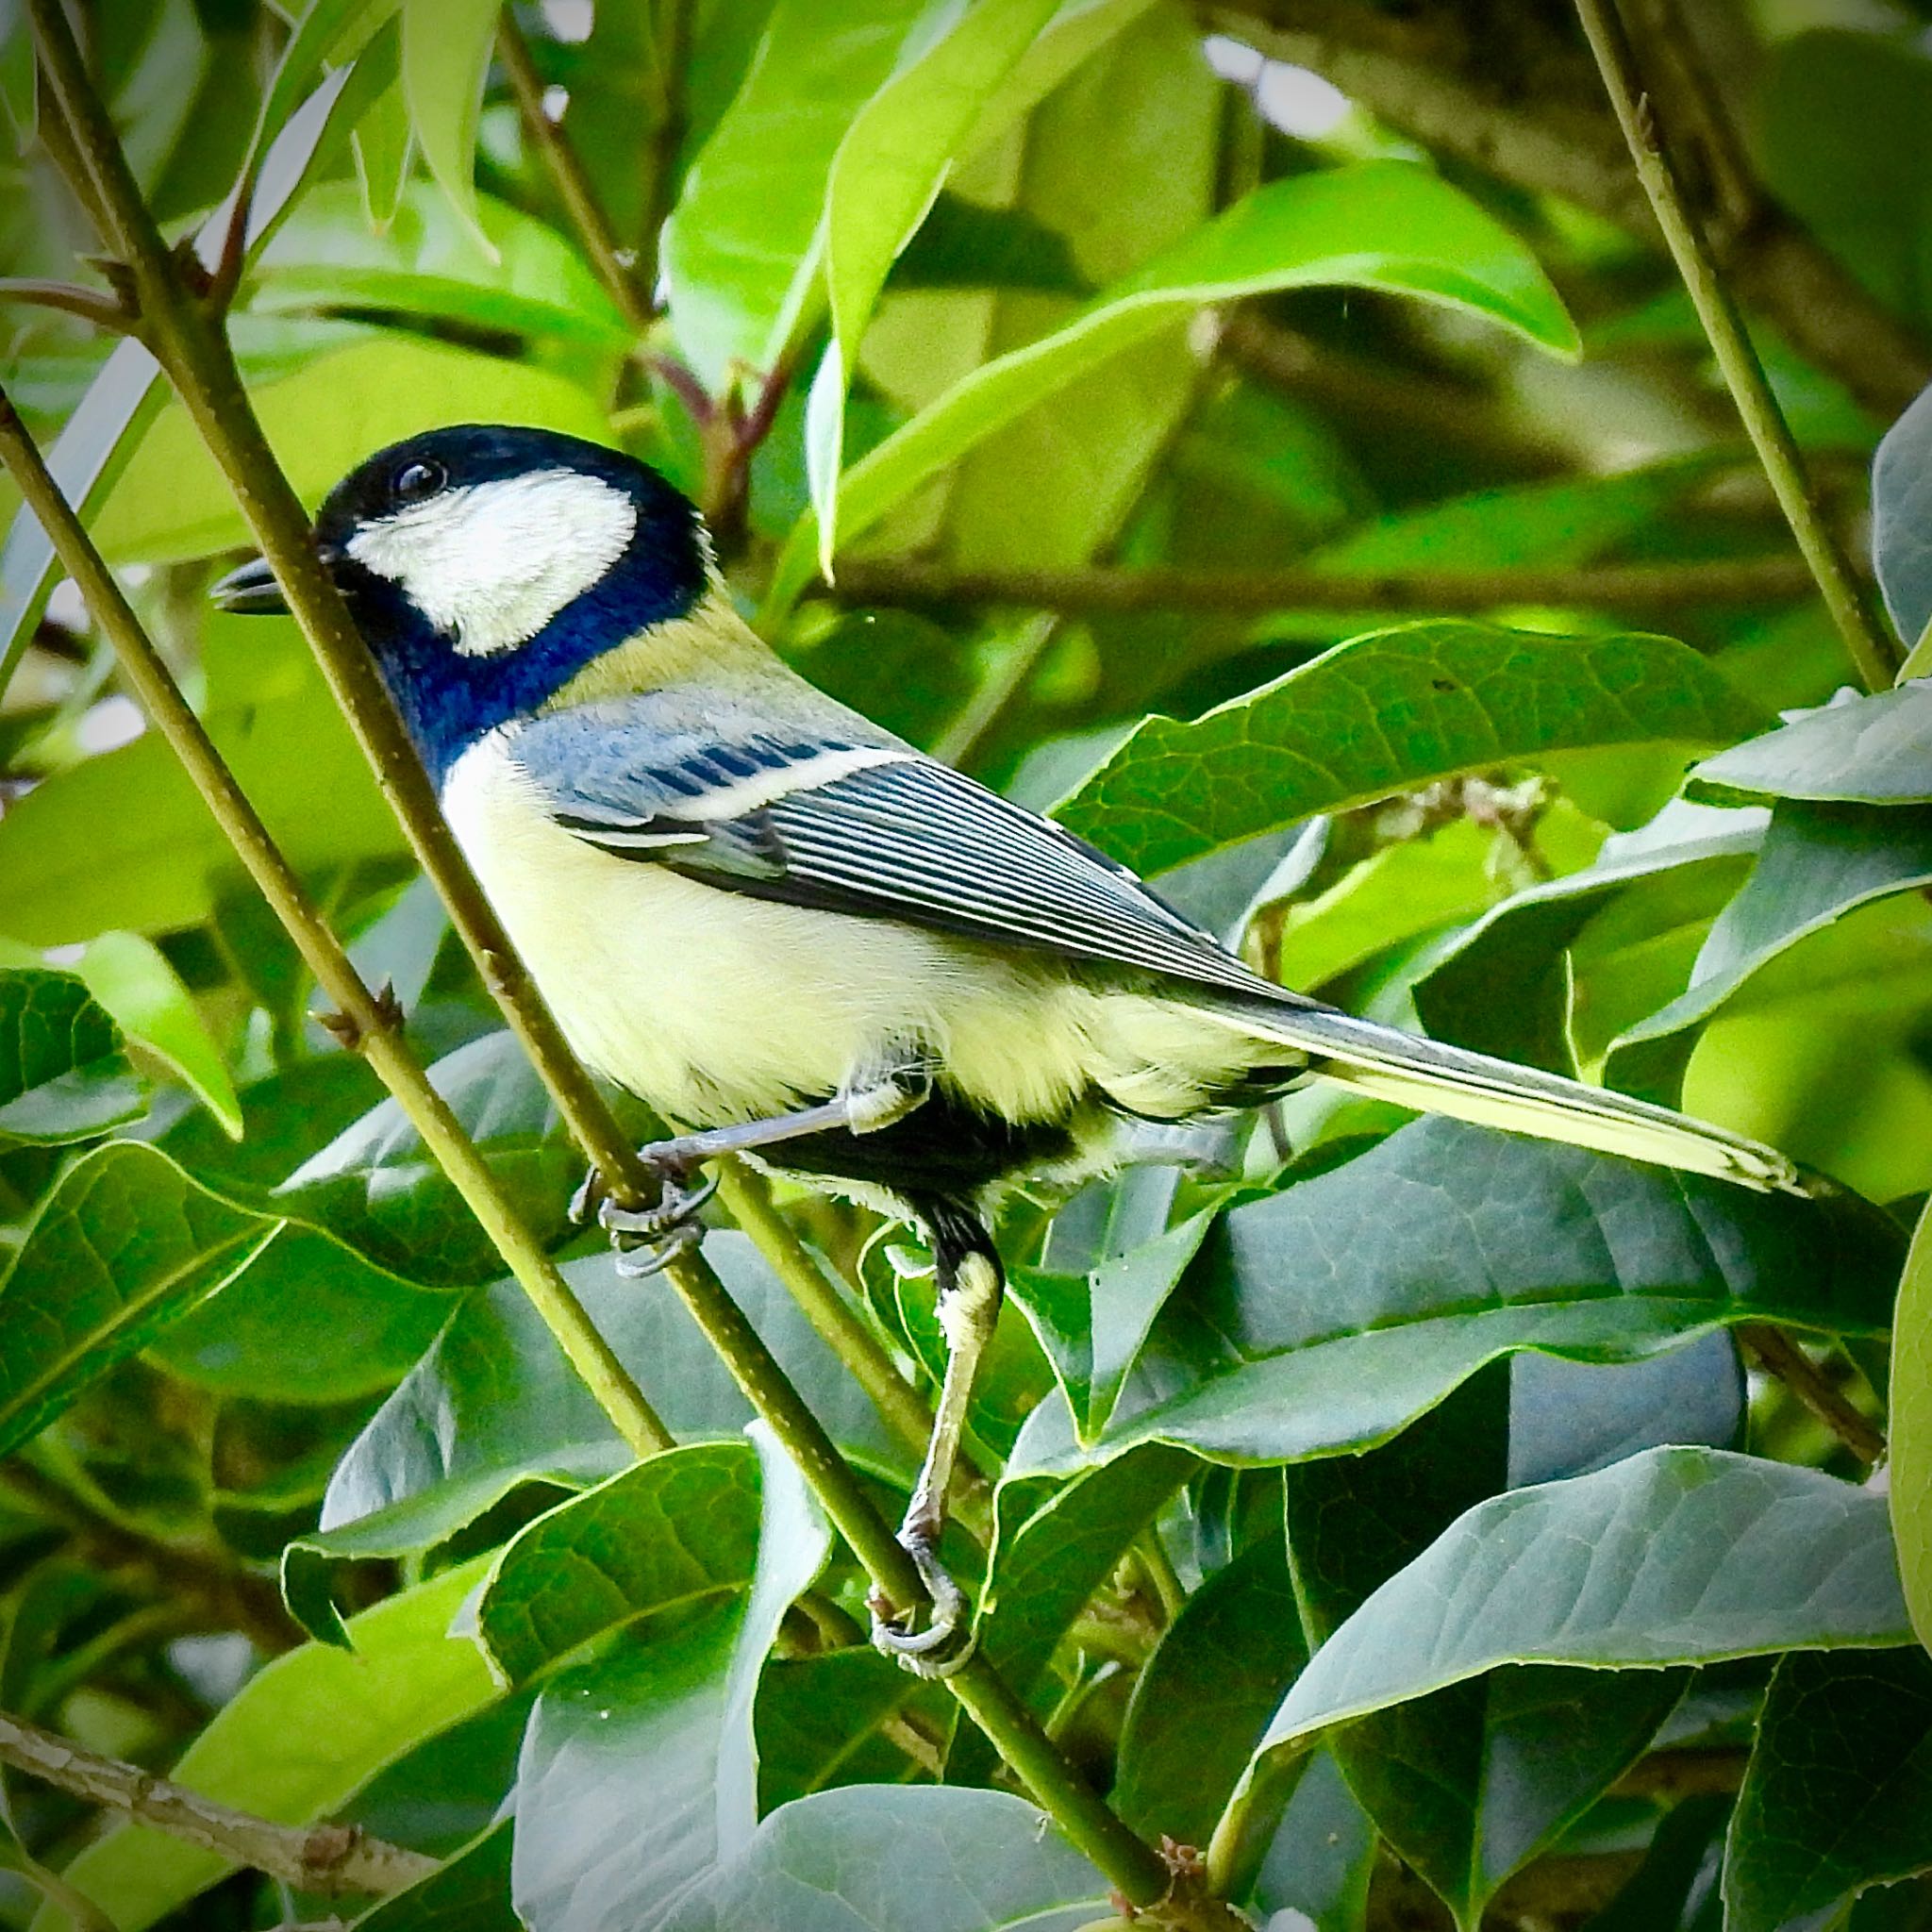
x=1322, y=1853
x=962, y=246
x=471, y=1894
x=1839, y=1793
x=1206, y=1696
x=882, y=1859
x=677, y=1529
x=672, y=1716
x=818, y=1718
x=125, y=1244
x=495, y=1405
x=63, y=1075
x=1323, y=1320
x=1675, y=1556
x=1394, y=709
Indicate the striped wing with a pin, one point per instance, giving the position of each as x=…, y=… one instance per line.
x=918, y=841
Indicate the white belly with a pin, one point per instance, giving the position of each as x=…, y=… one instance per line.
x=714, y=1006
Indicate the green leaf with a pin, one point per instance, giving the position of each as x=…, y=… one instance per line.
x=1206, y=1696
x=171, y=502
x=742, y=247
x=1910, y=1415
x=677, y=1529
x=1675, y=1557
x=1818, y=863
x=1093, y=1324
x=1384, y=225
x=377, y=1188
x=1045, y=1572
x=1536, y=943
x=884, y=176
x=296, y=1742
x=1325, y=1319
x=819, y=1720
x=1873, y=750
x=446, y=49
x=872, y=1859
x=124, y=1245
x=494, y=1405
x=671, y=1715
x=1323, y=1854
x=123, y=840
x=1901, y=501
x=469, y=1894
x=1387, y=712
x=424, y=264
x=1837, y=1796
x=130, y=977
x=63, y=1075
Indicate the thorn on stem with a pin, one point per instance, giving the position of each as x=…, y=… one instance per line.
x=350, y=1032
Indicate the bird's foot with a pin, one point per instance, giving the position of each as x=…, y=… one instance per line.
x=948, y=1639
x=650, y=1239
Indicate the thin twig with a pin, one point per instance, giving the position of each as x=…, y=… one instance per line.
x=1652, y=590
x=200, y=363
x=373, y=1022
x=326, y=1858
x=566, y=170
x=90, y=305
x=1869, y=649
x=1777, y=1354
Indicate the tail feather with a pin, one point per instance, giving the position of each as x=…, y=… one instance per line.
x=1435, y=1077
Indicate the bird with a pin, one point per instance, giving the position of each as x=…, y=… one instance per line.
x=797, y=937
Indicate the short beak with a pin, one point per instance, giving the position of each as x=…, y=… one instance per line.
x=250, y=590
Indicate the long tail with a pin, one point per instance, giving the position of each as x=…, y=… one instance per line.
x=1438, y=1078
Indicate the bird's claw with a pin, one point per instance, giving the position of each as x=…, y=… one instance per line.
x=948, y=1639
x=648, y=1240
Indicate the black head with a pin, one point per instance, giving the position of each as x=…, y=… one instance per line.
x=487, y=566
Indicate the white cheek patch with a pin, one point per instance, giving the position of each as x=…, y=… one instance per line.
x=493, y=563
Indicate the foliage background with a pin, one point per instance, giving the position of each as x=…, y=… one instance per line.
x=1429, y=606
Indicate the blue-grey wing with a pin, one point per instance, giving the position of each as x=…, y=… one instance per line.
x=907, y=840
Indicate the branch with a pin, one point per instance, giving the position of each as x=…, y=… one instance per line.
x=1546, y=129
x=567, y=176
x=90, y=305
x=196, y=355
x=1776, y=1354
x=1653, y=590
x=1869, y=649
x=326, y=1858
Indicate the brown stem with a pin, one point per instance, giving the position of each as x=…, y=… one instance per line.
x=1648, y=590
x=326, y=1858
x=566, y=170
x=1776, y=1354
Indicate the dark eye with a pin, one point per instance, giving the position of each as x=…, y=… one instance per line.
x=413, y=482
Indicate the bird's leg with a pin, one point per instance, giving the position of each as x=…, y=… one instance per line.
x=971, y=1285
x=649, y=1238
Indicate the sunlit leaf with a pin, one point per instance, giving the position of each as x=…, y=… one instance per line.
x=1873, y=750
x=63, y=1075
x=296, y=1741
x=1910, y=1466
x=1382, y=224
x=445, y=61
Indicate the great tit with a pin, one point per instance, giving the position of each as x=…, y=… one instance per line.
x=796, y=936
